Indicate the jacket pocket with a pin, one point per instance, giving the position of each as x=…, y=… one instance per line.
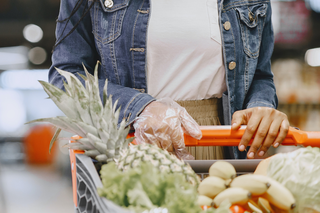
x=252, y=19
x=108, y=21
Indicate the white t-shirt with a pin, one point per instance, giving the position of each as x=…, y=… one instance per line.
x=184, y=53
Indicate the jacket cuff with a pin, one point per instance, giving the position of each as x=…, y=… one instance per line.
x=259, y=104
x=136, y=106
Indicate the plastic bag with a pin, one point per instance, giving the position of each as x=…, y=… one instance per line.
x=163, y=123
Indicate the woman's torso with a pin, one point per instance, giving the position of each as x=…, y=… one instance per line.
x=184, y=53
x=121, y=33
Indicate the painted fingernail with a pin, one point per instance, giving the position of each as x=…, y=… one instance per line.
x=276, y=145
x=261, y=153
x=251, y=155
x=242, y=148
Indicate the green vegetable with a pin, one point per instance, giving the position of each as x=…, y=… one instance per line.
x=299, y=171
x=145, y=187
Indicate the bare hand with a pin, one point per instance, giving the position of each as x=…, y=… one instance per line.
x=268, y=126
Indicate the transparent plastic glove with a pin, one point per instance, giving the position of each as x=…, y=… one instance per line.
x=163, y=123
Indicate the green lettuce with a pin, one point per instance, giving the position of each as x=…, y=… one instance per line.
x=145, y=188
x=299, y=171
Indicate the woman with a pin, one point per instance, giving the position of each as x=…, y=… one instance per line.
x=194, y=52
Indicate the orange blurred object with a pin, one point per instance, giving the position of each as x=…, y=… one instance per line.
x=205, y=207
x=72, y=154
x=237, y=209
x=36, y=144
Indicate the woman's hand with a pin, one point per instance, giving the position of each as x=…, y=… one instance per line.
x=269, y=126
x=163, y=123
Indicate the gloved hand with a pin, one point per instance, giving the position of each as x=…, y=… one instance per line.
x=163, y=123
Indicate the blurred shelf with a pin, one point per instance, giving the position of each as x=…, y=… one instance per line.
x=10, y=139
x=299, y=107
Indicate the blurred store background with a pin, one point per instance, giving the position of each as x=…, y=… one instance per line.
x=42, y=183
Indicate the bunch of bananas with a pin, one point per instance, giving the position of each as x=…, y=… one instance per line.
x=257, y=193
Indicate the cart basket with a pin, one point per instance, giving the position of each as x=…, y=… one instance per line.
x=86, y=180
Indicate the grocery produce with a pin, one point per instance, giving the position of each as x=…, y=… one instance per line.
x=94, y=120
x=256, y=184
x=299, y=172
x=279, y=195
x=161, y=159
x=233, y=195
x=262, y=167
x=254, y=207
x=204, y=200
x=222, y=169
x=145, y=187
x=211, y=186
x=237, y=209
x=265, y=205
x=253, y=192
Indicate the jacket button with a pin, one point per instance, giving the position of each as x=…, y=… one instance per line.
x=227, y=25
x=232, y=65
x=108, y=3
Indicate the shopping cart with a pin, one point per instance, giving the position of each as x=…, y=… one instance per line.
x=86, y=180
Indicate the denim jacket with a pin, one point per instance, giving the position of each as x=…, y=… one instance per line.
x=116, y=36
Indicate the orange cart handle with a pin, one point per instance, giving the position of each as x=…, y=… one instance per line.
x=224, y=136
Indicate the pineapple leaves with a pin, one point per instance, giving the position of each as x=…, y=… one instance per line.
x=92, y=153
x=81, y=102
x=86, y=115
x=69, y=76
x=67, y=88
x=105, y=95
x=54, y=138
x=76, y=146
x=63, y=101
x=58, y=122
x=102, y=158
x=87, y=128
x=86, y=142
x=88, y=75
x=82, y=76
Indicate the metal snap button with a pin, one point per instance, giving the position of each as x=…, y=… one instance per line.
x=232, y=65
x=108, y=3
x=227, y=25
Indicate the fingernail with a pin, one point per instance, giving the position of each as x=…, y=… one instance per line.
x=242, y=148
x=251, y=155
x=276, y=145
x=234, y=124
x=261, y=153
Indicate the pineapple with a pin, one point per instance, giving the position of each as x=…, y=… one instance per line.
x=88, y=117
x=132, y=157
x=95, y=121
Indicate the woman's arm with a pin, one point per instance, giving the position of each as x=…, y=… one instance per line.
x=79, y=47
x=269, y=125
